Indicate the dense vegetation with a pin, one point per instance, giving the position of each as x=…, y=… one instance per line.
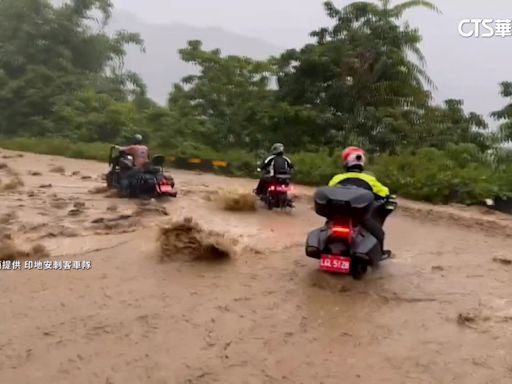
x=362, y=81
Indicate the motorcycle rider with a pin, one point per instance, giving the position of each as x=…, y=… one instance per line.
x=140, y=154
x=138, y=151
x=354, y=159
x=275, y=164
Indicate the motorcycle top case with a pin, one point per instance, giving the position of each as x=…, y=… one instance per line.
x=342, y=202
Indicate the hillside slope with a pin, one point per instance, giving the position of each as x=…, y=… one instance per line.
x=161, y=66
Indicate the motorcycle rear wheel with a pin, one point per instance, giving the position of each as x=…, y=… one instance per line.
x=282, y=201
x=358, y=269
x=109, y=178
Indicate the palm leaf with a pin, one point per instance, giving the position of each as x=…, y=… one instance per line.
x=398, y=10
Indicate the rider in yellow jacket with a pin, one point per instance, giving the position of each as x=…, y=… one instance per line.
x=354, y=162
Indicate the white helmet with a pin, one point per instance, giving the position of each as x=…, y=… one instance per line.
x=277, y=149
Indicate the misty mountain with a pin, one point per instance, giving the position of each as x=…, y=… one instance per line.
x=472, y=74
x=160, y=66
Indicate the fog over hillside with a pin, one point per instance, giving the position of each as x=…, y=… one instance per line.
x=461, y=68
x=161, y=66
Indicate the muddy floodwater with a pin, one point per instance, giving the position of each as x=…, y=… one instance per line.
x=117, y=312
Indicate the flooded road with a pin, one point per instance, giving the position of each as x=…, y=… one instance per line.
x=440, y=312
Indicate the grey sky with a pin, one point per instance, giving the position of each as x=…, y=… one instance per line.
x=462, y=68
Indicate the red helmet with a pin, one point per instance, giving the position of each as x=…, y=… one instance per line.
x=353, y=156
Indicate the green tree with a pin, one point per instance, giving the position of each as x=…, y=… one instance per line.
x=227, y=104
x=50, y=54
x=441, y=125
x=504, y=115
x=359, y=75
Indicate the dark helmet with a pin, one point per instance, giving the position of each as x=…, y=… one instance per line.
x=277, y=149
x=137, y=139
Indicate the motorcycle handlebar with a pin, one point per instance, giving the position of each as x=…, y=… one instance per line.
x=385, y=200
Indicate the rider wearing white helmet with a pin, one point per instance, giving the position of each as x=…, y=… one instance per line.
x=275, y=164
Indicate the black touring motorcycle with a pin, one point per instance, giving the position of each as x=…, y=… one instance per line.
x=278, y=191
x=277, y=194
x=342, y=245
x=150, y=182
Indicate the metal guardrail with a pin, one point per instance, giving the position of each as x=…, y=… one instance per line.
x=503, y=205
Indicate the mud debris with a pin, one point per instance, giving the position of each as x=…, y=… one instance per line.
x=112, y=208
x=472, y=318
x=9, y=251
x=236, y=200
x=150, y=209
x=75, y=212
x=8, y=218
x=59, y=203
x=13, y=184
x=502, y=260
x=124, y=223
x=15, y=181
x=466, y=318
x=99, y=189
x=79, y=205
x=58, y=169
x=186, y=240
x=49, y=231
x=103, y=220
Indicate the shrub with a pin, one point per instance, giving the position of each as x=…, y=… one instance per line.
x=460, y=173
x=454, y=175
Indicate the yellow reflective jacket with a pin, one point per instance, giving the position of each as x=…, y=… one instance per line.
x=377, y=187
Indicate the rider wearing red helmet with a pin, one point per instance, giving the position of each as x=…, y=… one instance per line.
x=354, y=160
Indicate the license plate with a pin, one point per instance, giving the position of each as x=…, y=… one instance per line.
x=165, y=188
x=335, y=264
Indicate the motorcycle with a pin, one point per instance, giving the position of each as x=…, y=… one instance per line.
x=150, y=182
x=277, y=194
x=342, y=245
